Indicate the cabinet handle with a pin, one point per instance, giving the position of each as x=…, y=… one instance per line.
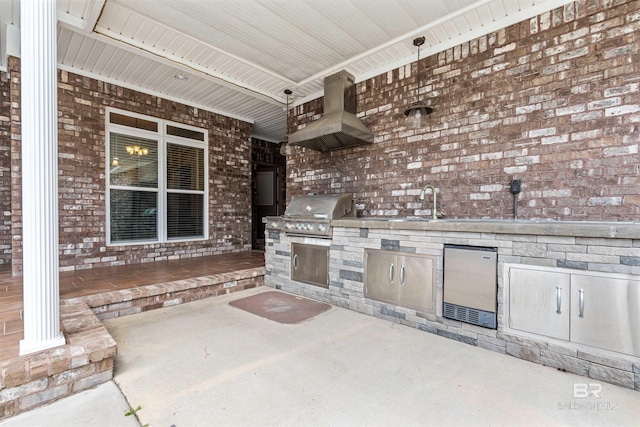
x=391, y=274
x=402, y=275
x=581, y=302
x=295, y=261
x=558, y=299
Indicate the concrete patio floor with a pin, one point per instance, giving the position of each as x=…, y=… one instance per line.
x=207, y=363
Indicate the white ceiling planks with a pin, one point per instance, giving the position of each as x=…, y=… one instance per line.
x=240, y=55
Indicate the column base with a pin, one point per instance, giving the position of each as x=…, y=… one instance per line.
x=27, y=347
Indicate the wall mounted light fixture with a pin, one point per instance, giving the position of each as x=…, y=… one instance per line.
x=418, y=110
x=285, y=148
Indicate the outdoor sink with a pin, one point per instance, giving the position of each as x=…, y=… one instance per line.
x=395, y=219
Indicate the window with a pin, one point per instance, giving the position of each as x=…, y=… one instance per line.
x=156, y=180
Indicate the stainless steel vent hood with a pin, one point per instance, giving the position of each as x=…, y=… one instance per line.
x=338, y=127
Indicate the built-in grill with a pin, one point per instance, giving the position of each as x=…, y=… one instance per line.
x=311, y=215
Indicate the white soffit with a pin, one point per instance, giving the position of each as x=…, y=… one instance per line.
x=240, y=55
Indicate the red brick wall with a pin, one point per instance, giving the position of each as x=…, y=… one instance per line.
x=266, y=152
x=554, y=101
x=5, y=170
x=16, y=166
x=81, y=134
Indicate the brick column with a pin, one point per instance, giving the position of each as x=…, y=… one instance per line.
x=39, y=177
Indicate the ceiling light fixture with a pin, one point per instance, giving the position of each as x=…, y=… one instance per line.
x=418, y=110
x=285, y=148
x=181, y=77
x=136, y=150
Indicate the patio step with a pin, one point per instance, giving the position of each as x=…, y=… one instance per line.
x=87, y=358
x=85, y=361
x=108, y=305
x=116, y=287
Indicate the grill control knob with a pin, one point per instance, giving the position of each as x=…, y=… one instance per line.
x=288, y=225
x=298, y=226
x=321, y=227
x=309, y=226
x=274, y=224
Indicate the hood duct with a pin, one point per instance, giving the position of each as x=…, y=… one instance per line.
x=338, y=127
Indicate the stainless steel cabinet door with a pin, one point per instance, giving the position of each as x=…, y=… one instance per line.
x=380, y=280
x=310, y=264
x=415, y=282
x=605, y=313
x=539, y=302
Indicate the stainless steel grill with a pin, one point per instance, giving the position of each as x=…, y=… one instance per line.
x=311, y=215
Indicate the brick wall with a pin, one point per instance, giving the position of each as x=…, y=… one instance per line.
x=266, y=152
x=81, y=135
x=554, y=101
x=16, y=166
x=5, y=170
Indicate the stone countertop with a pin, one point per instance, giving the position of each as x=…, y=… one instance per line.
x=595, y=229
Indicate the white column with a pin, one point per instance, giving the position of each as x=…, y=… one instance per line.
x=39, y=105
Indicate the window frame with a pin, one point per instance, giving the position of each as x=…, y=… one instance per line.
x=162, y=191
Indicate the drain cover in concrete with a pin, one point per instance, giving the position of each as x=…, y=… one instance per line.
x=281, y=307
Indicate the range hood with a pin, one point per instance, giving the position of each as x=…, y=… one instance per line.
x=338, y=127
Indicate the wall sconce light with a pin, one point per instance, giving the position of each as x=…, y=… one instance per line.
x=285, y=148
x=417, y=111
x=115, y=161
x=134, y=150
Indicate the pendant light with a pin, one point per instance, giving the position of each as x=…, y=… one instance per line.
x=417, y=112
x=285, y=148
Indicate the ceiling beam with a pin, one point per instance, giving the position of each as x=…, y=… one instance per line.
x=93, y=14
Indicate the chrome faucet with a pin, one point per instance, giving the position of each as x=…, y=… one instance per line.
x=434, y=211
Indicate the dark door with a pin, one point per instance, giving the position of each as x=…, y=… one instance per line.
x=268, y=199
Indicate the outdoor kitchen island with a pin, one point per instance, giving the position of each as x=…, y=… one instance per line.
x=568, y=293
